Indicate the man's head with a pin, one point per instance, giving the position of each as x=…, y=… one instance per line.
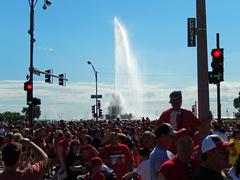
x=184, y=144
x=114, y=138
x=215, y=152
x=176, y=99
x=164, y=135
x=67, y=135
x=147, y=139
x=11, y=153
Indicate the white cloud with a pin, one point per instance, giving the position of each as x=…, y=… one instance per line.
x=73, y=100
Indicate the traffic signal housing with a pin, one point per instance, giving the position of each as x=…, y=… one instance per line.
x=61, y=80
x=98, y=104
x=28, y=86
x=100, y=112
x=48, y=76
x=93, y=109
x=217, y=65
x=36, y=101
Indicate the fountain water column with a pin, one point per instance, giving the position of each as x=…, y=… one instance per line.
x=128, y=90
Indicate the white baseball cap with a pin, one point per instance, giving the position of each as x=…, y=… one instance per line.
x=214, y=141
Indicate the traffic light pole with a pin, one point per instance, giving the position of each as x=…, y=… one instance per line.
x=95, y=74
x=96, y=97
x=32, y=40
x=218, y=87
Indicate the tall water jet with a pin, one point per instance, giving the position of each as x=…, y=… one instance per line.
x=127, y=94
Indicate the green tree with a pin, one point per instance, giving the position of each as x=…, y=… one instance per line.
x=236, y=104
x=11, y=116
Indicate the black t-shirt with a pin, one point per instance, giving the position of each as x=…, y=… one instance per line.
x=207, y=174
x=73, y=160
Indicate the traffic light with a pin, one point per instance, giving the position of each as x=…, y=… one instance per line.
x=93, y=109
x=100, y=112
x=98, y=104
x=48, y=76
x=36, y=101
x=217, y=65
x=61, y=79
x=28, y=86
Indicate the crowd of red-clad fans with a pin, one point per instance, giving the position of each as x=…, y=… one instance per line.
x=167, y=149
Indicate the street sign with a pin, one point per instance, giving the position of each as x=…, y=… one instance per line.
x=214, y=78
x=191, y=32
x=99, y=96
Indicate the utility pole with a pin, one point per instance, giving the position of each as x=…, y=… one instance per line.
x=32, y=40
x=96, y=96
x=32, y=4
x=218, y=87
x=202, y=68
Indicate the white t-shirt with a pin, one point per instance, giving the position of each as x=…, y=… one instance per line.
x=173, y=119
x=143, y=169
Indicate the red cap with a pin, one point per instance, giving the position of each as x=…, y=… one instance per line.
x=96, y=161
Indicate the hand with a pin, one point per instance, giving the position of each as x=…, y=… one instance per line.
x=24, y=141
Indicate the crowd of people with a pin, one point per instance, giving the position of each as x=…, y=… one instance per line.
x=168, y=148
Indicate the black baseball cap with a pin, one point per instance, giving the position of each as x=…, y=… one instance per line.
x=164, y=129
x=175, y=95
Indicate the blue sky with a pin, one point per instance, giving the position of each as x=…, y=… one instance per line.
x=69, y=33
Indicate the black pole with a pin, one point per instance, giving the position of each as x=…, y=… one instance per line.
x=32, y=40
x=218, y=86
x=95, y=73
x=97, y=108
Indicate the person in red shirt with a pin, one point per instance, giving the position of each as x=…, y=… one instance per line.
x=96, y=173
x=184, y=165
x=87, y=150
x=177, y=116
x=62, y=150
x=117, y=156
x=11, y=154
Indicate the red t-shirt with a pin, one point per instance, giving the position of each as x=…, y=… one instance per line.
x=188, y=119
x=33, y=172
x=175, y=169
x=120, y=158
x=65, y=144
x=88, y=153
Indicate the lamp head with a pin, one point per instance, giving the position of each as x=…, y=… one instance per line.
x=89, y=62
x=46, y=4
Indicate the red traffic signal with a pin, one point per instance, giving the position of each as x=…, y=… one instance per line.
x=216, y=53
x=28, y=86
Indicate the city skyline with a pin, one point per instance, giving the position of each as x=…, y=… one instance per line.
x=69, y=34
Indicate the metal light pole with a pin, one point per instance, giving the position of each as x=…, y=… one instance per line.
x=32, y=4
x=32, y=40
x=95, y=73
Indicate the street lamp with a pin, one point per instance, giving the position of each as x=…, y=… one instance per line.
x=95, y=73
